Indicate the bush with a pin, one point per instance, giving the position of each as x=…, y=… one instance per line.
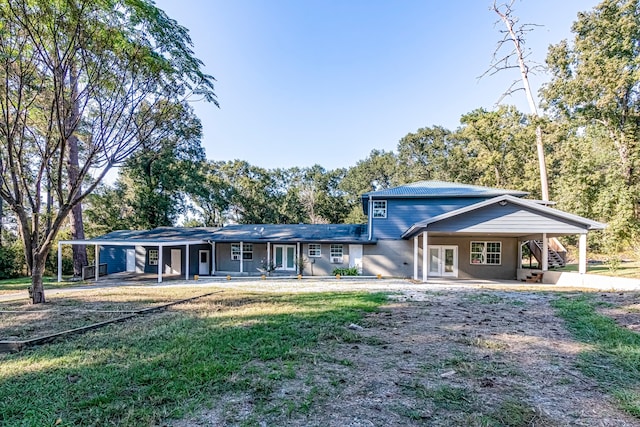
x=10, y=262
x=351, y=271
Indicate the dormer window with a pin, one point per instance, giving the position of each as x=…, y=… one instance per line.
x=379, y=208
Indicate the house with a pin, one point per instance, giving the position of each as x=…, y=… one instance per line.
x=421, y=230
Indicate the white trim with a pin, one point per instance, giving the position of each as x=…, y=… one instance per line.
x=545, y=252
x=160, y=263
x=415, y=257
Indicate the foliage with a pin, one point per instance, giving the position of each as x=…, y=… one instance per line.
x=105, y=73
x=301, y=263
x=10, y=261
x=594, y=86
x=346, y=271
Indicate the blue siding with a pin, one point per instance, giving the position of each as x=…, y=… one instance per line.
x=506, y=219
x=115, y=257
x=403, y=213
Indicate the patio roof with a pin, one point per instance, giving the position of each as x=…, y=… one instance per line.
x=516, y=217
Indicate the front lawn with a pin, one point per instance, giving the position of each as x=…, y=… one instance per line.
x=164, y=365
x=20, y=284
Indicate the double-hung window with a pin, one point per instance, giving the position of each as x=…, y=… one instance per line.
x=488, y=253
x=336, y=254
x=315, y=250
x=379, y=208
x=247, y=251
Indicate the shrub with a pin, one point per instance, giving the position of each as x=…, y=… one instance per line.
x=351, y=271
x=10, y=262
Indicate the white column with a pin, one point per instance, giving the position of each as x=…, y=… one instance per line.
x=582, y=248
x=96, y=260
x=268, y=254
x=241, y=257
x=519, y=263
x=186, y=263
x=59, y=261
x=545, y=252
x=160, y=264
x=424, y=256
x=213, y=258
x=415, y=257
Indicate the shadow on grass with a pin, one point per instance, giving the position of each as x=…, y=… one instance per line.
x=164, y=366
x=614, y=361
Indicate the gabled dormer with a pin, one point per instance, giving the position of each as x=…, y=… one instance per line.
x=392, y=211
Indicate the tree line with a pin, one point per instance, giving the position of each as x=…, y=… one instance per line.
x=89, y=85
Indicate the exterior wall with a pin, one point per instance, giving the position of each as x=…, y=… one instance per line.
x=390, y=258
x=115, y=257
x=403, y=213
x=507, y=269
x=194, y=260
x=315, y=266
x=395, y=258
x=506, y=219
x=322, y=266
x=142, y=256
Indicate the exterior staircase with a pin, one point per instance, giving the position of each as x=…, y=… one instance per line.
x=557, y=253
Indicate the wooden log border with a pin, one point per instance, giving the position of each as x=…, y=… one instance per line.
x=15, y=346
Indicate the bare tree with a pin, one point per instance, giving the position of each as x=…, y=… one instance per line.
x=99, y=74
x=514, y=34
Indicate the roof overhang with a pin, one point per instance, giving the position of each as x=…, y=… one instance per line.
x=133, y=242
x=469, y=221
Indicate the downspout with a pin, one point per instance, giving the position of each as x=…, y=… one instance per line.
x=370, y=217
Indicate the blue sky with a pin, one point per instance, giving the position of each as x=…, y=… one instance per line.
x=303, y=82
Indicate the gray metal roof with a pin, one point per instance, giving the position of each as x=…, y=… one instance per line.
x=322, y=233
x=441, y=189
x=165, y=234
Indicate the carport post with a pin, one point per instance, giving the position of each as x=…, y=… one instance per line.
x=186, y=263
x=96, y=259
x=160, y=263
x=59, y=262
x=545, y=252
x=582, y=248
x=424, y=256
x=241, y=257
x=415, y=257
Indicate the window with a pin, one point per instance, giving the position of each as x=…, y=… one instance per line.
x=247, y=251
x=379, y=208
x=336, y=254
x=315, y=250
x=153, y=257
x=486, y=253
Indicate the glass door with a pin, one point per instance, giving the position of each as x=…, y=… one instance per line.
x=443, y=261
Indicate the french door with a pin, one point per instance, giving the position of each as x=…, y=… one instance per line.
x=443, y=261
x=285, y=257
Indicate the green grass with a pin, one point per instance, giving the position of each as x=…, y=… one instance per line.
x=170, y=364
x=22, y=283
x=614, y=356
x=626, y=269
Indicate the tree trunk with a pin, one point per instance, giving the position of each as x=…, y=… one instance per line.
x=37, y=272
x=77, y=225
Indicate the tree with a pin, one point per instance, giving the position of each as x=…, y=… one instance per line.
x=595, y=83
x=128, y=59
x=497, y=148
x=158, y=178
x=515, y=34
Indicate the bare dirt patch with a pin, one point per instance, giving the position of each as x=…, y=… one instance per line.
x=454, y=357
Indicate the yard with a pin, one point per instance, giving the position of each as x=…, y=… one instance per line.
x=265, y=354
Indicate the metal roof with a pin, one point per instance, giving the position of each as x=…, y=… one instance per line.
x=441, y=189
x=338, y=233
x=165, y=234
x=321, y=233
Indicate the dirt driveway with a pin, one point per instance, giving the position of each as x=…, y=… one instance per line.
x=449, y=356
